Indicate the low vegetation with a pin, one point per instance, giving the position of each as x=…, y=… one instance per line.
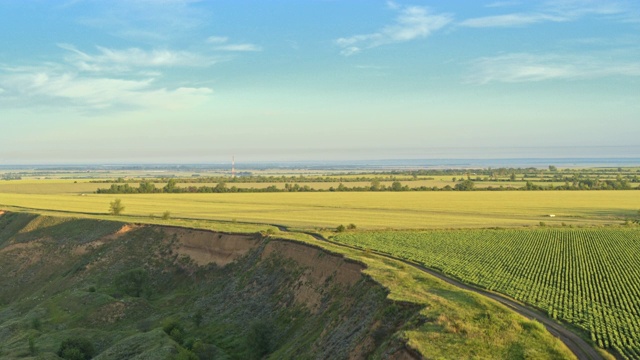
x=116, y=207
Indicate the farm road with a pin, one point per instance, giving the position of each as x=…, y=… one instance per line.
x=581, y=349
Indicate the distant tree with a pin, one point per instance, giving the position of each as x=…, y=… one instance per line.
x=171, y=186
x=220, y=187
x=340, y=228
x=166, y=215
x=351, y=226
x=552, y=168
x=396, y=186
x=512, y=177
x=147, y=187
x=116, y=207
x=466, y=185
x=375, y=185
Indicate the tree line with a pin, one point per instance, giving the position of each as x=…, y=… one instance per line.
x=465, y=185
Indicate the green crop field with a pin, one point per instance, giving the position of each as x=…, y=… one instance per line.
x=370, y=210
x=586, y=277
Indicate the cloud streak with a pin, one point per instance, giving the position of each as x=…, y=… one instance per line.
x=510, y=20
x=239, y=47
x=222, y=44
x=131, y=58
x=99, y=93
x=525, y=67
x=549, y=11
x=412, y=22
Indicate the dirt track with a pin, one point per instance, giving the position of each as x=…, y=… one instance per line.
x=575, y=343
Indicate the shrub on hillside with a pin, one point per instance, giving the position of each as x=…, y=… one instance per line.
x=259, y=339
x=175, y=330
x=133, y=282
x=76, y=349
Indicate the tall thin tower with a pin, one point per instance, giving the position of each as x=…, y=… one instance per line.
x=233, y=166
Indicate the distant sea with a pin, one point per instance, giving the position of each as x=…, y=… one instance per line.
x=456, y=163
x=374, y=158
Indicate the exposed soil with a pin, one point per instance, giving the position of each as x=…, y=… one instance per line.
x=322, y=265
x=320, y=268
x=85, y=248
x=123, y=230
x=206, y=247
x=20, y=246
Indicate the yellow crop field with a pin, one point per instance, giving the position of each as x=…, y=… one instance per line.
x=368, y=210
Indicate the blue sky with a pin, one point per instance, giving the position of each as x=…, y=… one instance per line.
x=87, y=81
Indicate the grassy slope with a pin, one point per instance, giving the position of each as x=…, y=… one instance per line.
x=453, y=323
x=405, y=210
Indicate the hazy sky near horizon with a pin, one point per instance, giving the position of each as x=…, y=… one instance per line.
x=197, y=81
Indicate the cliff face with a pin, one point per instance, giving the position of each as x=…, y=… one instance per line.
x=151, y=292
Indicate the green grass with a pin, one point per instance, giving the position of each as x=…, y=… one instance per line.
x=371, y=210
x=586, y=277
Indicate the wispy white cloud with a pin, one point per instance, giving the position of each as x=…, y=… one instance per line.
x=123, y=60
x=217, y=39
x=510, y=20
x=549, y=11
x=239, y=47
x=44, y=85
x=412, y=22
x=525, y=67
x=222, y=44
x=574, y=9
x=393, y=5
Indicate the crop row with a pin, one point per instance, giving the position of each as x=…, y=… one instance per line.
x=587, y=277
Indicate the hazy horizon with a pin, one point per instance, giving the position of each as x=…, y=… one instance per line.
x=540, y=157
